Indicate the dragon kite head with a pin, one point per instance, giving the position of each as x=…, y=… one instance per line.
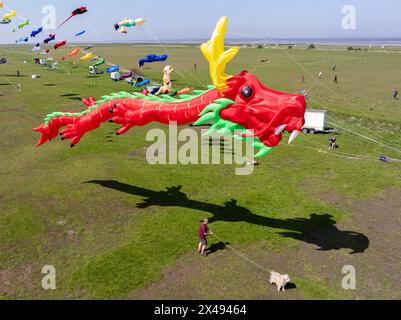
x=248, y=110
x=267, y=112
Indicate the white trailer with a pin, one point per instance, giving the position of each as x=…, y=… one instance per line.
x=315, y=122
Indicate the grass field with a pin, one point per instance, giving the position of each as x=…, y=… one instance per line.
x=116, y=227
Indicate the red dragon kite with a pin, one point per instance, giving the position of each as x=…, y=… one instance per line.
x=238, y=105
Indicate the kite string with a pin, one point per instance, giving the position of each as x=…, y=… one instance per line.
x=373, y=133
x=316, y=79
x=382, y=142
x=366, y=137
x=68, y=45
x=242, y=256
x=389, y=142
x=340, y=154
x=8, y=80
x=157, y=40
x=299, y=64
x=258, y=61
x=320, y=148
x=21, y=17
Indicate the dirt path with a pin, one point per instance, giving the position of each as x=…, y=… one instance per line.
x=314, y=273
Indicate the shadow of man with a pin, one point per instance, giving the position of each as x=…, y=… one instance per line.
x=217, y=247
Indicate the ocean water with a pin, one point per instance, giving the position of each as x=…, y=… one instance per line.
x=388, y=42
x=363, y=42
x=375, y=42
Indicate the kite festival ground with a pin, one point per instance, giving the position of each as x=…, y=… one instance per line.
x=114, y=226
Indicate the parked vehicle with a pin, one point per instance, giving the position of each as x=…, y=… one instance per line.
x=315, y=122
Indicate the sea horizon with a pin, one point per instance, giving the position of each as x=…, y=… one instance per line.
x=357, y=41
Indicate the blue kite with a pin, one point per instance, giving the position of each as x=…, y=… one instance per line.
x=51, y=37
x=80, y=33
x=152, y=58
x=35, y=32
x=113, y=69
x=143, y=83
x=22, y=39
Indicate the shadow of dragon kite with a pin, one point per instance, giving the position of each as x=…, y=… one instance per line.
x=319, y=229
x=240, y=106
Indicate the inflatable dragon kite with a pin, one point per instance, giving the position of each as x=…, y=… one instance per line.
x=236, y=105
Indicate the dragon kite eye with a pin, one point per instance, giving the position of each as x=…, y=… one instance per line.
x=246, y=92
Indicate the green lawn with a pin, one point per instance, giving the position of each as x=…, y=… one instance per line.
x=79, y=209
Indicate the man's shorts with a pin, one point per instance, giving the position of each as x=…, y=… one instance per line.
x=203, y=241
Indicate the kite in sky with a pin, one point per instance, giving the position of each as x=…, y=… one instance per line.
x=87, y=57
x=35, y=32
x=80, y=33
x=122, y=26
x=60, y=44
x=239, y=106
x=76, y=12
x=152, y=58
x=21, y=25
x=51, y=37
x=10, y=15
x=74, y=52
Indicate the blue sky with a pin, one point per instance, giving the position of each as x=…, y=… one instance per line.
x=190, y=19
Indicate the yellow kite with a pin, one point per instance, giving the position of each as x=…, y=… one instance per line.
x=8, y=16
x=87, y=57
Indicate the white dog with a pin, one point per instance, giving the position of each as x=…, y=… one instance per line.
x=280, y=280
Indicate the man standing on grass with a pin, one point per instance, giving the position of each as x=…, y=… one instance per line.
x=202, y=233
x=332, y=143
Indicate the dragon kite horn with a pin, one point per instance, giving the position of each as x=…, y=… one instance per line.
x=213, y=50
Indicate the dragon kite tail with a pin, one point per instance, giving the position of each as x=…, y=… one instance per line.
x=50, y=129
x=45, y=134
x=128, y=110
